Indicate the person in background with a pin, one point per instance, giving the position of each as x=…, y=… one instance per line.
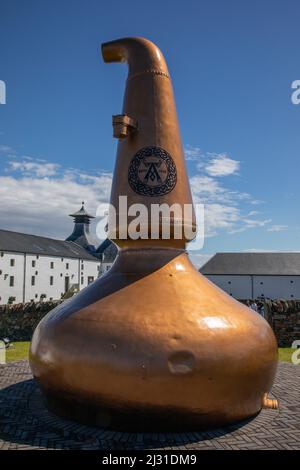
x=261, y=308
x=254, y=306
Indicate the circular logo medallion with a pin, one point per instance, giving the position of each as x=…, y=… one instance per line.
x=152, y=172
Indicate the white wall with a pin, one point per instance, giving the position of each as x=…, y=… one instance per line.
x=274, y=287
x=237, y=286
x=89, y=269
x=80, y=273
x=44, y=272
x=17, y=271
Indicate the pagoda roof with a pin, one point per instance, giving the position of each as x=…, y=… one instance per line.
x=82, y=213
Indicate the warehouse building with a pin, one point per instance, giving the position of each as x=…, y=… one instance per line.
x=34, y=268
x=255, y=275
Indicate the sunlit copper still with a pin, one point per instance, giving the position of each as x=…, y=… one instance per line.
x=152, y=344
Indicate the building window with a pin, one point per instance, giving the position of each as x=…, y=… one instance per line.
x=52, y=265
x=82, y=280
x=51, y=298
x=2, y=254
x=11, y=281
x=292, y=282
x=33, y=264
x=51, y=280
x=292, y=295
x=61, y=275
x=82, y=266
x=90, y=279
x=229, y=282
x=62, y=259
x=12, y=262
x=261, y=283
x=67, y=265
x=33, y=280
x=37, y=256
x=36, y=296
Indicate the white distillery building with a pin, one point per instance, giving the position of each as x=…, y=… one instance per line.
x=33, y=268
x=255, y=275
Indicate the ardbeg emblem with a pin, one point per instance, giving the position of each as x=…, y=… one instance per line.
x=152, y=172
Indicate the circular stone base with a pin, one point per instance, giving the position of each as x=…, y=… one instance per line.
x=25, y=422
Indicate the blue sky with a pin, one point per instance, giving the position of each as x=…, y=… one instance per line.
x=232, y=64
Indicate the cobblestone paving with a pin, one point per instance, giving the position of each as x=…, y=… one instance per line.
x=25, y=423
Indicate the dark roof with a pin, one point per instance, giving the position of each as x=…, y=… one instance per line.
x=108, y=250
x=81, y=231
x=82, y=213
x=272, y=264
x=33, y=244
x=82, y=238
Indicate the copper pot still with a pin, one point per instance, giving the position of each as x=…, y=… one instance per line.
x=152, y=344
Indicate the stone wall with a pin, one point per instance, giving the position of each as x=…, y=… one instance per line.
x=17, y=322
x=284, y=318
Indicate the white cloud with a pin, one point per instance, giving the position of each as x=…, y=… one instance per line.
x=223, y=210
x=39, y=205
x=246, y=223
x=220, y=217
x=213, y=164
x=192, y=153
x=38, y=195
x=222, y=165
x=30, y=168
x=6, y=149
x=277, y=228
x=204, y=187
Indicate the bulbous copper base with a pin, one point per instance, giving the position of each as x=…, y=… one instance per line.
x=153, y=344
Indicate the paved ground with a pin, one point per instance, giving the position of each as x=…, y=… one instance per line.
x=26, y=424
